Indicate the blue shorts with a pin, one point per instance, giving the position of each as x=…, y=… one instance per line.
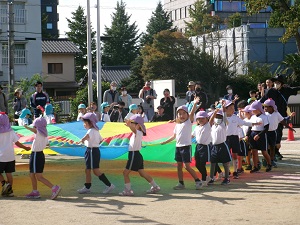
x=260, y=144
x=37, y=162
x=92, y=158
x=272, y=138
x=202, y=153
x=135, y=161
x=8, y=167
x=233, y=143
x=183, y=154
x=244, y=148
x=220, y=153
x=279, y=133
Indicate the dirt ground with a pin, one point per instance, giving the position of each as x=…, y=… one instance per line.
x=262, y=198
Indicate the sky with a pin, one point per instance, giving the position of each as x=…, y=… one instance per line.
x=140, y=11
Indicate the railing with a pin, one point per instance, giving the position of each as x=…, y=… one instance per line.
x=20, y=56
x=19, y=16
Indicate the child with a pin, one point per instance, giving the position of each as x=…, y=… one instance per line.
x=220, y=151
x=24, y=117
x=141, y=112
x=49, y=114
x=182, y=132
x=258, y=136
x=274, y=118
x=135, y=159
x=7, y=155
x=133, y=109
x=203, y=138
x=92, y=140
x=37, y=159
x=104, y=112
x=81, y=111
x=93, y=109
x=247, y=117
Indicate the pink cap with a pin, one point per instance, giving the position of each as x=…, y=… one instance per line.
x=247, y=109
x=270, y=102
x=93, y=118
x=139, y=120
x=183, y=107
x=40, y=124
x=256, y=105
x=201, y=114
x=228, y=103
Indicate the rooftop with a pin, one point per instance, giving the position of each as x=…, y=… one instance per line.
x=59, y=46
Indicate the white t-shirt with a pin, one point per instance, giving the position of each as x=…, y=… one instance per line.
x=39, y=143
x=202, y=134
x=183, y=133
x=94, y=138
x=79, y=116
x=7, y=141
x=262, y=118
x=130, y=114
x=218, y=133
x=245, y=127
x=49, y=118
x=274, y=119
x=23, y=121
x=135, y=142
x=105, y=117
x=234, y=122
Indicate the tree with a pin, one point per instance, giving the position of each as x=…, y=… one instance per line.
x=121, y=45
x=173, y=56
x=234, y=20
x=202, y=22
x=78, y=34
x=159, y=21
x=283, y=15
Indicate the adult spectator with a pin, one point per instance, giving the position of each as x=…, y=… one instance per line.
x=147, y=94
x=126, y=98
x=118, y=113
x=189, y=95
x=203, y=98
x=167, y=102
x=39, y=99
x=269, y=85
x=112, y=95
x=160, y=115
x=3, y=101
x=280, y=94
x=19, y=104
x=230, y=96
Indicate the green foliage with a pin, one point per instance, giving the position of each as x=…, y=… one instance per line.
x=291, y=67
x=82, y=97
x=282, y=15
x=258, y=72
x=234, y=20
x=77, y=34
x=121, y=47
x=202, y=22
x=159, y=21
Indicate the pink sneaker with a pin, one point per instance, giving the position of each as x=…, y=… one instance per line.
x=55, y=191
x=126, y=193
x=153, y=190
x=33, y=194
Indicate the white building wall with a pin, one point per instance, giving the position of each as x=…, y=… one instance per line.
x=27, y=25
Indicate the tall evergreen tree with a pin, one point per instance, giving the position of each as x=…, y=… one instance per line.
x=78, y=34
x=121, y=47
x=158, y=22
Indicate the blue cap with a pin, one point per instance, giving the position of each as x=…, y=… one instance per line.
x=82, y=106
x=132, y=107
x=25, y=112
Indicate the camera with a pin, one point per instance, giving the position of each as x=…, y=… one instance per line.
x=116, y=107
x=148, y=100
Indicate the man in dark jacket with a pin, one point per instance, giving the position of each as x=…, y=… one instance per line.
x=39, y=99
x=160, y=115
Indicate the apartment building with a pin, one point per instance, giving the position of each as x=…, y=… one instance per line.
x=49, y=9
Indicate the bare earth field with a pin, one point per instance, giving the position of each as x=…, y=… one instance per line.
x=262, y=198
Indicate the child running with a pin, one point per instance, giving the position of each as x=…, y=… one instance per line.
x=135, y=159
x=92, y=140
x=37, y=159
x=7, y=155
x=183, y=154
x=202, y=132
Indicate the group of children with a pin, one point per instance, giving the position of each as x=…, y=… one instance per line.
x=221, y=136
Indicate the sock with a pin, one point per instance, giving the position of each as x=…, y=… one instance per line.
x=34, y=191
x=196, y=180
x=212, y=170
x=226, y=168
x=88, y=185
x=128, y=186
x=153, y=184
x=181, y=182
x=104, y=179
x=234, y=162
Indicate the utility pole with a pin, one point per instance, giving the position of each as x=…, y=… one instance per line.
x=89, y=54
x=99, y=68
x=11, y=44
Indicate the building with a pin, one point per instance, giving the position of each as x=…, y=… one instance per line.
x=59, y=67
x=27, y=39
x=49, y=10
x=179, y=12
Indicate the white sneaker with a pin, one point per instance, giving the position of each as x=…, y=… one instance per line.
x=179, y=186
x=153, y=190
x=84, y=190
x=199, y=185
x=109, y=189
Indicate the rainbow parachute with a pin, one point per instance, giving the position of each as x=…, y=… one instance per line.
x=62, y=139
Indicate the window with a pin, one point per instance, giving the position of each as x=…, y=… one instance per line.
x=230, y=6
x=49, y=9
x=49, y=26
x=55, y=68
x=20, y=56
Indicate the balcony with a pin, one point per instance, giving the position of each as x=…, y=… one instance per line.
x=19, y=16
